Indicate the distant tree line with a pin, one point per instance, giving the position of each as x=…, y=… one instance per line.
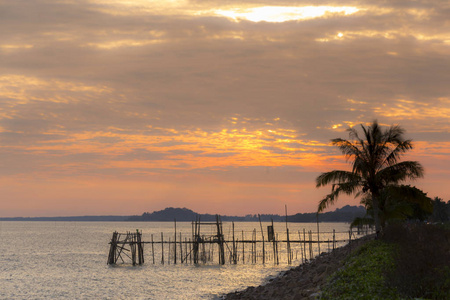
x=345, y=214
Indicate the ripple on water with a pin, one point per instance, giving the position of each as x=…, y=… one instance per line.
x=67, y=260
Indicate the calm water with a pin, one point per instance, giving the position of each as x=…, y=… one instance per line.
x=67, y=260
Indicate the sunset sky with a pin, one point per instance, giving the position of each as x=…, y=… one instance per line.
x=121, y=107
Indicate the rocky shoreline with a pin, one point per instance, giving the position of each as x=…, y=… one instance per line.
x=304, y=281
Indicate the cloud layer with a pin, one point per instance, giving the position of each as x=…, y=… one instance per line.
x=129, y=106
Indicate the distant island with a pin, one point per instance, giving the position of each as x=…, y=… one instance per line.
x=345, y=214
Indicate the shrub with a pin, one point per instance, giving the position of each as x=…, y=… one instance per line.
x=422, y=260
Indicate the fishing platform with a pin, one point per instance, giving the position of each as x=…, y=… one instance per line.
x=214, y=247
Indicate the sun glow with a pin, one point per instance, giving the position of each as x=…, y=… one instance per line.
x=244, y=12
x=283, y=13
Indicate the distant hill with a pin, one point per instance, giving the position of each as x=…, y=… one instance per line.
x=345, y=214
x=169, y=214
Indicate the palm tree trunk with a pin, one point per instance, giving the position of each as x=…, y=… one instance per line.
x=376, y=214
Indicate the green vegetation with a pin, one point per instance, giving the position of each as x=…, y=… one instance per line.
x=411, y=261
x=363, y=274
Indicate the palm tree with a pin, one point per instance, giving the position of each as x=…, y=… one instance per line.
x=375, y=161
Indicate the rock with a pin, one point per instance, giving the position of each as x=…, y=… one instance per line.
x=302, y=282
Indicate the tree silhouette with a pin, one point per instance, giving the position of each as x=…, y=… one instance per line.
x=375, y=160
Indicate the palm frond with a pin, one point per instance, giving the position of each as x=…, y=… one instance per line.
x=347, y=188
x=400, y=172
x=336, y=176
x=395, y=154
x=347, y=148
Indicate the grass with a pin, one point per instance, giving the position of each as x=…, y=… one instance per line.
x=410, y=262
x=362, y=277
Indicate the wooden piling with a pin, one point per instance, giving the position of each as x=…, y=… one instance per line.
x=273, y=245
x=276, y=246
x=175, y=243
x=288, y=244
x=112, y=249
x=181, y=249
x=153, y=251
x=262, y=238
x=220, y=241
x=162, y=248
x=234, y=247
x=202, y=247
x=243, y=248
x=300, y=244
x=140, y=247
x=168, y=254
x=304, y=242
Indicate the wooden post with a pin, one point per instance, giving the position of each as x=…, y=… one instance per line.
x=220, y=241
x=304, y=242
x=196, y=239
x=185, y=249
x=288, y=244
x=300, y=243
x=112, y=249
x=153, y=251
x=162, y=248
x=262, y=236
x=191, y=248
x=253, y=250
x=181, y=249
x=254, y=242
x=274, y=246
x=140, y=247
x=133, y=247
x=243, y=248
x=175, y=243
x=234, y=247
x=168, y=255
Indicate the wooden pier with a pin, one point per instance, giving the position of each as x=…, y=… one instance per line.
x=215, y=248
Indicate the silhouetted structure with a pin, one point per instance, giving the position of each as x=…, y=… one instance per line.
x=204, y=248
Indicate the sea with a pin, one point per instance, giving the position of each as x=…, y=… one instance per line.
x=68, y=260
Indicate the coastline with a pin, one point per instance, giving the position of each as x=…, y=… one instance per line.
x=303, y=281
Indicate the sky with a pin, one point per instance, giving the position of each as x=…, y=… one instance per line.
x=114, y=107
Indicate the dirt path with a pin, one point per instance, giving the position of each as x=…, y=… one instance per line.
x=302, y=282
